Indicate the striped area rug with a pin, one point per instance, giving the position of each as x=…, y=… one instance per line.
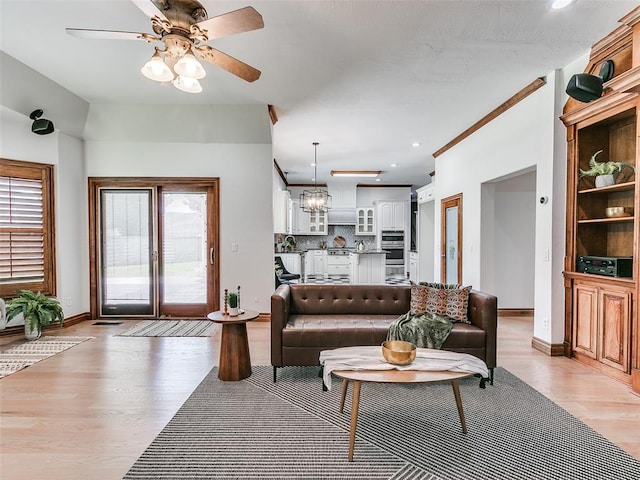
x=257, y=429
x=21, y=356
x=172, y=328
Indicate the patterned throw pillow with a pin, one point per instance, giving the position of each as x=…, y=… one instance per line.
x=450, y=300
x=418, y=304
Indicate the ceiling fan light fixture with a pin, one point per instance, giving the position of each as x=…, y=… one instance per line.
x=188, y=66
x=156, y=69
x=187, y=84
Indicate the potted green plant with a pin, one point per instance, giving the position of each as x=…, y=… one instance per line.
x=233, y=304
x=38, y=311
x=604, y=171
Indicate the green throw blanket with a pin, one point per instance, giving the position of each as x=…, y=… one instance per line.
x=425, y=331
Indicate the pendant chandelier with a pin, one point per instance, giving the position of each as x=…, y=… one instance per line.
x=315, y=200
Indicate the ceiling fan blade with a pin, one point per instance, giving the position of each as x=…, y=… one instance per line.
x=111, y=34
x=228, y=63
x=238, y=21
x=150, y=9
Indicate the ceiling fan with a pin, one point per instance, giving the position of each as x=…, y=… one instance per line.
x=183, y=26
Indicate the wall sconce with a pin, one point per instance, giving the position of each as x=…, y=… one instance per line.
x=585, y=87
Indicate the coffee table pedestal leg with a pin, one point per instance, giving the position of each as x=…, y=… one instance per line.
x=235, y=362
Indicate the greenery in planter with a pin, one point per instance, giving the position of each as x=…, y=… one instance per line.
x=603, y=168
x=233, y=300
x=37, y=309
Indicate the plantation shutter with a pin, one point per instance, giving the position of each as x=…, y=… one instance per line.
x=25, y=237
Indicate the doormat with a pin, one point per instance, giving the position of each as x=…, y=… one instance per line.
x=172, y=328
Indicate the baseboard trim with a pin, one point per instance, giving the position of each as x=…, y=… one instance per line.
x=550, y=349
x=68, y=322
x=515, y=312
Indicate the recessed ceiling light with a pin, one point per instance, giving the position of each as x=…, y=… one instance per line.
x=377, y=179
x=313, y=164
x=355, y=173
x=558, y=4
x=416, y=144
x=394, y=164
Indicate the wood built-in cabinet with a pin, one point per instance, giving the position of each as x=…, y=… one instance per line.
x=601, y=321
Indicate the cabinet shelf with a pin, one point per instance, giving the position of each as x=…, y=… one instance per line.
x=620, y=187
x=607, y=220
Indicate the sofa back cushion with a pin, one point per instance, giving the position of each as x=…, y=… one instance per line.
x=350, y=299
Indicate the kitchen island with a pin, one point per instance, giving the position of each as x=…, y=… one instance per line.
x=368, y=267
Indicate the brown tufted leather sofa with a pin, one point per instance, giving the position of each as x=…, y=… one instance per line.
x=306, y=319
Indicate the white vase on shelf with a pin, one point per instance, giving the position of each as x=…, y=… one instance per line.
x=604, y=181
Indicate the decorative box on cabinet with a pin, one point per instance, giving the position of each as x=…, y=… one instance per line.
x=602, y=328
x=365, y=221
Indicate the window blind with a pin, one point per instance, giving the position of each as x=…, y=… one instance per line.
x=26, y=256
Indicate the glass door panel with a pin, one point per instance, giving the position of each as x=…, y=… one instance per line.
x=126, y=256
x=451, y=240
x=185, y=255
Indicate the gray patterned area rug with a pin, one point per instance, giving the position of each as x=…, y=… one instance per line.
x=255, y=429
x=172, y=328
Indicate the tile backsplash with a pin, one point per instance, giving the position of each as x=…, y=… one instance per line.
x=305, y=242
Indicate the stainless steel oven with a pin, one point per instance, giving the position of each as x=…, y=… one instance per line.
x=395, y=256
x=392, y=240
x=393, y=243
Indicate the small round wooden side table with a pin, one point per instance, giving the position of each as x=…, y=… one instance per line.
x=235, y=361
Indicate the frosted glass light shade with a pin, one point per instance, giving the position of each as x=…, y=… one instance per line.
x=187, y=84
x=188, y=66
x=156, y=69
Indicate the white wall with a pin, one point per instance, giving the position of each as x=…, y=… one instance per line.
x=245, y=173
x=521, y=138
x=65, y=152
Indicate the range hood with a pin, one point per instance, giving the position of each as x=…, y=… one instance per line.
x=342, y=216
x=343, y=197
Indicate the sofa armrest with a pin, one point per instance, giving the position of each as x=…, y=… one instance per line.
x=483, y=313
x=280, y=305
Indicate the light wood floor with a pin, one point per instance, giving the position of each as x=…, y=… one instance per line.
x=89, y=412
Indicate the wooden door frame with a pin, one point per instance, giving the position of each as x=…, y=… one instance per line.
x=452, y=201
x=213, y=226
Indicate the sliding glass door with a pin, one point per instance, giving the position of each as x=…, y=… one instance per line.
x=127, y=254
x=155, y=249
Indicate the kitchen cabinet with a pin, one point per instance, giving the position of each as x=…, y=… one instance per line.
x=315, y=263
x=317, y=223
x=305, y=223
x=392, y=216
x=413, y=266
x=601, y=324
x=339, y=265
x=368, y=268
x=425, y=194
x=365, y=221
x=292, y=262
x=281, y=200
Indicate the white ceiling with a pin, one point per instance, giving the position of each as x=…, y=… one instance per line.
x=363, y=78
